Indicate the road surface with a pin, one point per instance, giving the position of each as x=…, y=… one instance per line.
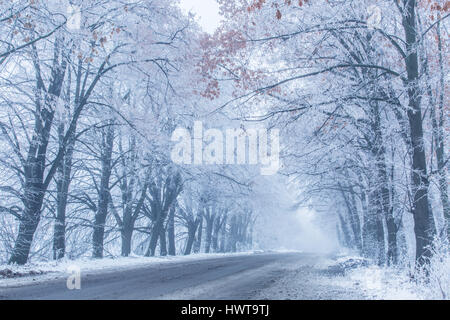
x=240, y=277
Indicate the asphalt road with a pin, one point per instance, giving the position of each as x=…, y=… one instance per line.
x=236, y=278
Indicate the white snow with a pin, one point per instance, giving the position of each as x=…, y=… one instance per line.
x=379, y=283
x=390, y=283
x=315, y=281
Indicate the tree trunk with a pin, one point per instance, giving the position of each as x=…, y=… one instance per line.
x=198, y=240
x=353, y=217
x=384, y=200
x=35, y=166
x=233, y=235
x=62, y=187
x=421, y=209
x=210, y=219
x=192, y=229
x=162, y=205
x=223, y=236
x=126, y=236
x=209, y=229
x=130, y=214
x=63, y=181
x=379, y=215
x=356, y=221
x=59, y=236
x=103, y=197
x=163, y=242
x=171, y=232
x=440, y=139
x=373, y=232
x=155, y=234
x=27, y=228
x=215, y=235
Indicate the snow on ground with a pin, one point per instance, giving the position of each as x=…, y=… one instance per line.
x=352, y=277
x=14, y=275
x=378, y=283
x=391, y=283
x=310, y=280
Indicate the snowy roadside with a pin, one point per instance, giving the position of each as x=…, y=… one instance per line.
x=354, y=278
x=376, y=283
x=310, y=280
x=33, y=273
x=379, y=283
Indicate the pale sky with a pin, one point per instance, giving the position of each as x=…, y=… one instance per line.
x=207, y=12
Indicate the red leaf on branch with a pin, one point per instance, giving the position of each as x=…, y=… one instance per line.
x=279, y=14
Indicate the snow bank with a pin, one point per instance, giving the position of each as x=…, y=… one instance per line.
x=434, y=281
x=383, y=283
x=380, y=283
